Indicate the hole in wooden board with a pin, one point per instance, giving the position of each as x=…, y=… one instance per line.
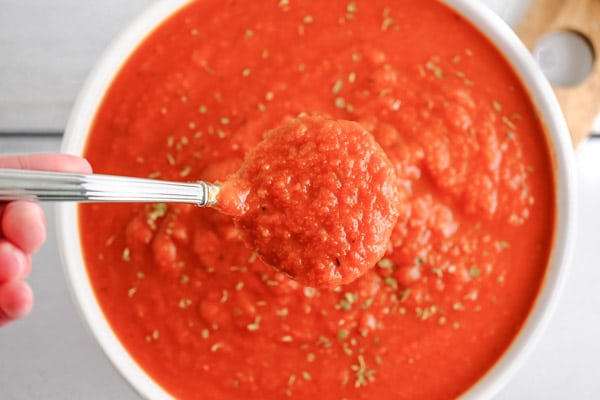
x=566, y=57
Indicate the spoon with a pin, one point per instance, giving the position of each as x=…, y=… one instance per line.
x=316, y=198
x=16, y=184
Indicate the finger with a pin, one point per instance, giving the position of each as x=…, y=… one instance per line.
x=24, y=224
x=16, y=301
x=47, y=162
x=14, y=264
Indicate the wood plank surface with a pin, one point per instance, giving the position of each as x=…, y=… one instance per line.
x=580, y=103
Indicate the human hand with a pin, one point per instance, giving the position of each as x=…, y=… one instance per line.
x=23, y=231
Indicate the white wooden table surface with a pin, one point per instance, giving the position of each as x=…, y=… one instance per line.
x=46, y=50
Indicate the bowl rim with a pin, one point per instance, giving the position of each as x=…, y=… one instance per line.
x=487, y=23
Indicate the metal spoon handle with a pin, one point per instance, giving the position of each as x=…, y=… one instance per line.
x=18, y=184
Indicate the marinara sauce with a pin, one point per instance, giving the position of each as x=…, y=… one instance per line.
x=318, y=200
x=200, y=311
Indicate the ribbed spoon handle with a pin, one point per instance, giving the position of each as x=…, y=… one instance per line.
x=16, y=184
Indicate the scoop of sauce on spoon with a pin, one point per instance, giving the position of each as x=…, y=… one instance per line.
x=317, y=199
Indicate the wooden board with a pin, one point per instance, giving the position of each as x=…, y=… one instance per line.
x=580, y=103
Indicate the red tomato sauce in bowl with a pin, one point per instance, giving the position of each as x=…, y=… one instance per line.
x=206, y=318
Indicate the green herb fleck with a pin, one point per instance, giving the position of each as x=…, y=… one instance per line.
x=126, y=256
x=387, y=23
x=324, y=341
x=337, y=86
x=503, y=244
x=367, y=303
x=437, y=272
x=350, y=297
x=185, y=303
x=309, y=291
x=224, y=296
x=282, y=312
x=509, y=123
x=362, y=373
x=385, y=263
x=345, y=305
x=391, y=282
x=291, y=380
x=343, y=334
x=404, y=294
x=287, y=339
x=347, y=350
x=254, y=326
x=170, y=159
x=157, y=210
x=186, y=171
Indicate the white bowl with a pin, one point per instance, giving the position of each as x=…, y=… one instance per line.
x=490, y=25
